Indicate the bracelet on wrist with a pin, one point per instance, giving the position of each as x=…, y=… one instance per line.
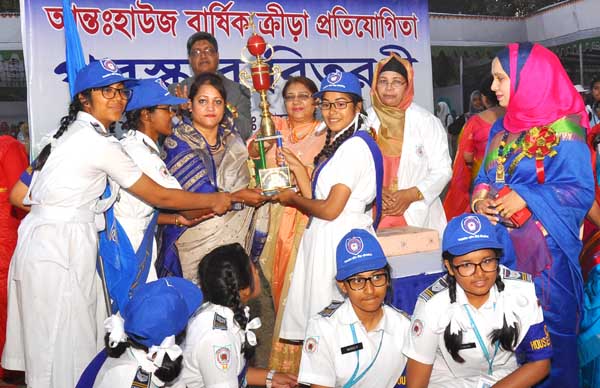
x=269, y=380
x=474, y=204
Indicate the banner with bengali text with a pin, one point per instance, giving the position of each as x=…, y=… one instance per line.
x=147, y=38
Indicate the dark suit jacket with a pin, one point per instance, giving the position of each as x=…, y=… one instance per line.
x=237, y=96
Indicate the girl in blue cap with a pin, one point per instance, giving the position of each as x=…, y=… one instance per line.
x=357, y=342
x=54, y=327
x=345, y=185
x=219, y=339
x=481, y=325
x=142, y=344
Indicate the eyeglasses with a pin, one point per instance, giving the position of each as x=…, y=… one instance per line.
x=357, y=283
x=300, y=96
x=170, y=108
x=209, y=51
x=110, y=92
x=339, y=105
x=395, y=84
x=489, y=264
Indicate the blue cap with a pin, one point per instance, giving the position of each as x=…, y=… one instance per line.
x=98, y=74
x=160, y=309
x=469, y=232
x=151, y=92
x=339, y=81
x=358, y=251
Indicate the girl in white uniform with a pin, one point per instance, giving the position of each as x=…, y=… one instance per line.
x=54, y=310
x=344, y=186
x=481, y=325
x=143, y=345
x=357, y=342
x=219, y=338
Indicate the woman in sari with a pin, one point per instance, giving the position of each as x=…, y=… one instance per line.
x=471, y=149
x=206, y=154
x=286, y=225
x=538, y=161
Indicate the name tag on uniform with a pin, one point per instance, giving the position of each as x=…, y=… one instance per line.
x=468, y=345
x=352, y=348
x=486, y=381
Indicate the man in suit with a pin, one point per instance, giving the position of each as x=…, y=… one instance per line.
x=203, y=55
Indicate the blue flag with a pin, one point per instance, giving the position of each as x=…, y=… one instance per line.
x=73, y=51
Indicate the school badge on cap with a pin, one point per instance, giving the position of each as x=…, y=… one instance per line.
x=162, y=84
x=358, y=251
x=335, y=77
x=108, y=65
x=354, y=245
x=471, y=225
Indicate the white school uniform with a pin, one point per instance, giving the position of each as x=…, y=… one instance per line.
x=313, y=280
x=331, y=354
x=425, y=163
x=433, y=312
x=121, y=372
x=212, y=353
x=131, y=212
x=54, y=324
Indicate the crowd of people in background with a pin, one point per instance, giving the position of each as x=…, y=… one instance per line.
x=137, y=261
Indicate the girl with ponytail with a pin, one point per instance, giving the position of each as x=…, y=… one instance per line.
x=220, y=340
x=53, y=270
x=481, y=324
x=341, y=195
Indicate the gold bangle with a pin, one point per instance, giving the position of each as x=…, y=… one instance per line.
x=420, y=196
x=177, y=223
x=474, y=203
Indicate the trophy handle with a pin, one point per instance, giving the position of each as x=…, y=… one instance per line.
x=269, y=47
x=276, y=72
x=245, y=78
x=243, y=58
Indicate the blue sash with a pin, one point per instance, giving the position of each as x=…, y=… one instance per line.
x=88, y=377
x=377, y=159
x=242, y=383
x=124, y=268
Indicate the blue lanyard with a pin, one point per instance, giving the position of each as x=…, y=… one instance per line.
x=355, y=379
x=482, y=344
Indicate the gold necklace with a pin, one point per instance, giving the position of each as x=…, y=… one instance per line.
x=294, y=138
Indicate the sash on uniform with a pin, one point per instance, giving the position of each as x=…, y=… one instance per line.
x=88, y=377
x=377, y=159
x=124, y=268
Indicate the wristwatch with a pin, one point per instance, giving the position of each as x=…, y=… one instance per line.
x=269, y=381
x=419, y=194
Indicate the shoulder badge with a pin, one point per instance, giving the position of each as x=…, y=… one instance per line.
x=329, y=310
x=219, y=322
x=402, y=312
x=141, y=379
x=440, y=285
x=510, y=274
x=99, y=130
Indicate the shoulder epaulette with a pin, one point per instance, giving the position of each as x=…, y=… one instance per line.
x=141, y=379
x=507, y=273
x=440, y=285
x=329, y=310
x=219, y=322
x=98, y=128
x=402, y=312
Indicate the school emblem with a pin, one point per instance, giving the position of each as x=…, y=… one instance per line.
x=354, y=245
x=471, y=225
x=108, y=65
x=162, y=84
x=335, y=77
x=417, y=328
x=311, y=344
x=223, y=357
x=420, y=150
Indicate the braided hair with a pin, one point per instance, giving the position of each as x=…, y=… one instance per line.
x=507, y=336
x=329, y=149
x=74, y=107
x=133, y=118
x=167, y=372
x=222, y=273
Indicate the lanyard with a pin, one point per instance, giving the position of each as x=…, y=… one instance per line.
x=482, y=344
x=355, y=379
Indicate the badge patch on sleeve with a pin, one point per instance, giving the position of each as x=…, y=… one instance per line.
x=311, y=344
x=417, y=328
x=222, y=357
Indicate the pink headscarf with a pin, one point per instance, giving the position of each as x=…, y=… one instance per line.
x=540, y=89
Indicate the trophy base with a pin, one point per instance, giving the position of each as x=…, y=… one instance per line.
x=274, y=179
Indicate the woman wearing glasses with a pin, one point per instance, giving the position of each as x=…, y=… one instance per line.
x=481, y=325
x=54, y=295
x=414, y=146
x=339, y=198
x=301, y=136
x=357, y=341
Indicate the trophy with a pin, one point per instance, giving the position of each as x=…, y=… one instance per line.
x=270, y=179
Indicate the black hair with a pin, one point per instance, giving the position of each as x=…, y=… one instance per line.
x=133, y=118
x=329, y=149
x=202, y=35
x=74, y=107
x=167, y=372
x=594, y=81
x=222, y=273
x=213, y=80
x=307, y=82
x=507, y=336
x=486, y=90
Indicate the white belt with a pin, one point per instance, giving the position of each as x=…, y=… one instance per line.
x=63, y=214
